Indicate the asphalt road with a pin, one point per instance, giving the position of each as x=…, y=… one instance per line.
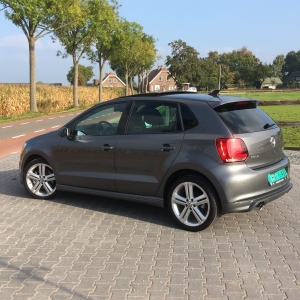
x=14, y=134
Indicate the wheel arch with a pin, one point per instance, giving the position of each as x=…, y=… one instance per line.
x=185, y=172
x=33, y=157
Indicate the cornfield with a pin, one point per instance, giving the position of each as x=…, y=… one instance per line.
x=14, y=99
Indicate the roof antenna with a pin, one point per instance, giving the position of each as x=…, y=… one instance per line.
x=214, y=93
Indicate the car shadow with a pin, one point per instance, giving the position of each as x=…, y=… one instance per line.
x=11, y=186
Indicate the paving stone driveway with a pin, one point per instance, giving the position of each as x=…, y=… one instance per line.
x=83, y=247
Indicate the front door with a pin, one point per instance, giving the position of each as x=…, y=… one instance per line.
x=86, y=158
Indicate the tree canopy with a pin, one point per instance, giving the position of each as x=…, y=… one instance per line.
x=292, y=63
x=79, y=32
x=36, y=19
x=84, y=74
x=135, y=51
x=184, y=64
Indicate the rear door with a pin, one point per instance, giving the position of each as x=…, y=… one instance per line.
x=145, y=153
x=261, y=135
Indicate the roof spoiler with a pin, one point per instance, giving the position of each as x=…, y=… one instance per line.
x=214, y=93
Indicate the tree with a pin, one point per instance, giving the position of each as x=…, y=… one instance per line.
x=134, y=50
x=292, y=63
x=84, y=75
x=184, y=64
x=79, y=33
x=243, y=64
x=36, y=19
x=146, y=58
x=106, y=41
x=263, y=71
x=277, y=65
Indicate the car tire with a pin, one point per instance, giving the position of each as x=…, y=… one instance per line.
x=39, y=179
x=192, y=203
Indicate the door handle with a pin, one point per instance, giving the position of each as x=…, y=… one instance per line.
x=166, y=147
x=106, y=147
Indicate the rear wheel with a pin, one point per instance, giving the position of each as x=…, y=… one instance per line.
x=192, y=203
x=39, y=179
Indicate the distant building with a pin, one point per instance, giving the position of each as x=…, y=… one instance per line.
x=159, y=80
x=271, y=83
x=293, y=78
x=111, y=80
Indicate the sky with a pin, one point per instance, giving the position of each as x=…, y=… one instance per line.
x=266, y=27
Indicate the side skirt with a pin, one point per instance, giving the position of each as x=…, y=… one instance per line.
x=127, y=197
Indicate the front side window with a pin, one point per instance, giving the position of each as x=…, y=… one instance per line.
x=101, y=121
x=154, y=117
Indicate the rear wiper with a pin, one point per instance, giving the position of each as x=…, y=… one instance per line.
x=269, y=125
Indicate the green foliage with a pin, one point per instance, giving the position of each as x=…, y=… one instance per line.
x=84, y=75
x=184, y=64
x=277, y=65
x=243, y=64
x=80, y=32
x=135, y=51
x=292, y=63
x=36, y=19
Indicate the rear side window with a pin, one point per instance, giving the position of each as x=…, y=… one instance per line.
x=244, y=117
x=188, y=119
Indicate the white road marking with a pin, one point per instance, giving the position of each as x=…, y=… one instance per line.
x=61, y=116
x=55, y=126
x=17, y=136
x=40, y=130
x=15, y=152
x=39, y=120
x=24, y=123
x=6, y=126
x=51, y=118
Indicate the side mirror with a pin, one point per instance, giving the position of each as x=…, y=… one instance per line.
x=64, y=132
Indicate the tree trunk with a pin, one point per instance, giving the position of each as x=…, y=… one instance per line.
x=32, y=75
x=101, y=69
x=147, y=83
x=139, y=83
x=126, y=82
x=75, y=86
x=131, y=85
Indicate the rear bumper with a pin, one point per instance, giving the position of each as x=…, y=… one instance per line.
x=256, y=202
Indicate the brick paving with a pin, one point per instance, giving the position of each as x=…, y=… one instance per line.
x=82, y=247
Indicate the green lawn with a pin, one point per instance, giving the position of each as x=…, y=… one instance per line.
x=291, y=136
x=283, y=112
x=268, y=96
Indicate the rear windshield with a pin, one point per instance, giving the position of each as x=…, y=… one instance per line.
x=244, y=117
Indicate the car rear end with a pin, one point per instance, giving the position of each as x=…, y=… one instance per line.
x=253, y=169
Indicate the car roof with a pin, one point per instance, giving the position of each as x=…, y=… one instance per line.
x=213, y=98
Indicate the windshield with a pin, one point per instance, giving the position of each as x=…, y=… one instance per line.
x=244, y=117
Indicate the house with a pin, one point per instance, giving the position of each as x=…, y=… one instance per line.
x=158, y=80
x=111, y=80
x=271, y=83
x=293, y=78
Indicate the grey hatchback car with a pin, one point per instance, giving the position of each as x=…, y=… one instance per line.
x=197, y=155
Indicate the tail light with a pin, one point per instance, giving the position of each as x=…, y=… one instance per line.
x=232, y=150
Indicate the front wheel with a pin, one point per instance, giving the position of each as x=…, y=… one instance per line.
x=39, y=179
x=192, y=203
